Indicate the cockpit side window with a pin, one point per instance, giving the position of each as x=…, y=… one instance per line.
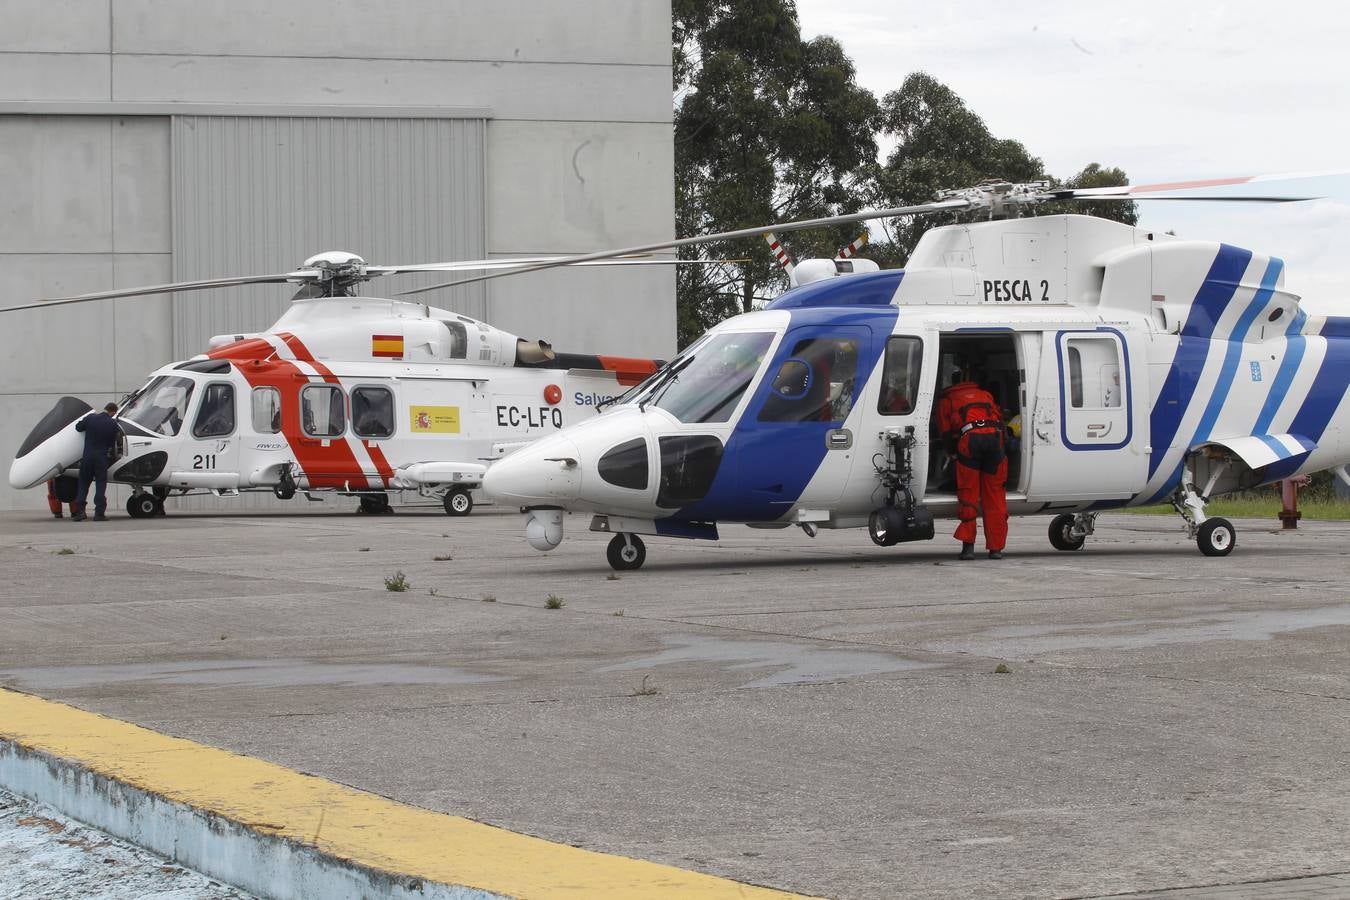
x=162, y=405
x=372, y=412
x=323, y=412
x=215, y=418
x=815, y=383
x=266, y=410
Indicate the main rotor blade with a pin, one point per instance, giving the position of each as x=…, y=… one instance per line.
x=461, y=265
x=205, y=285
x=593, y=262
x=802, y=225
x=1199, y=190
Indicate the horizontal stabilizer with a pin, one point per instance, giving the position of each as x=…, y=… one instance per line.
x=1260, y=450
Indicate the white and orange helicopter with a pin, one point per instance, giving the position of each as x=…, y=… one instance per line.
x=356, y=395
x=1142, y=367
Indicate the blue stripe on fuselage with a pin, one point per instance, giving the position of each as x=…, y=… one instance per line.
x=864, y=289
x=1294, y=346
x=1225, y=274
x=767, y=465
x=1234, y=351
x=1324, y=398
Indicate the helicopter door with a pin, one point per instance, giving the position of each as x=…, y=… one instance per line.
x=793, y=446
x=210, y=454
x=1088, y=430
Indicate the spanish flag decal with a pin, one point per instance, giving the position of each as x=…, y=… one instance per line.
x=387, y=346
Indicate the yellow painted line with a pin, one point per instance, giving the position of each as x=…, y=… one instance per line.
x=343, y=822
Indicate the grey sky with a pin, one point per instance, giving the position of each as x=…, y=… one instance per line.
x=1166, y=91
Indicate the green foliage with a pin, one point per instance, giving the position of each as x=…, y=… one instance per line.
x=553, y=601
x=941, y=145
x=398, y=582
x=769, y=127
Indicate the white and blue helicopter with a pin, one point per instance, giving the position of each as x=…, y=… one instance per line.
x=1141, y=367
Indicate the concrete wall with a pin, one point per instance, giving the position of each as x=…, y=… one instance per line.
x=579, y=157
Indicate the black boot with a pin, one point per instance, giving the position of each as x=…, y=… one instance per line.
x=967, y=551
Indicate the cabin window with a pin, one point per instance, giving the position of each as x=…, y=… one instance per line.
x=372, y=412
x=900, y=376
x=215, y=418
x=322, y=411
x=162, y=405
x=1094, y=373
x=625, y=466
x=815, y=383
x=266, y=410
x=688, y=466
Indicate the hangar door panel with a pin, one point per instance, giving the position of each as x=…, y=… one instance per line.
x=254, y=195
x=260, y=194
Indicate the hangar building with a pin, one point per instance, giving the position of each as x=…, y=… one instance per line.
x=148, y=141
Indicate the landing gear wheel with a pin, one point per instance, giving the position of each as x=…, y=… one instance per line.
x=1216, y=537
x=626, y=552
x=141, y=506
x=159, y=507
x=458, y=502
x=375, y=504
x=1061, y=534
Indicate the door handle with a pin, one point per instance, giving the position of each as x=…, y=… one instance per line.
x=838, y=439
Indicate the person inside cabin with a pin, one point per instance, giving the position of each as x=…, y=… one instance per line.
x=971, y=425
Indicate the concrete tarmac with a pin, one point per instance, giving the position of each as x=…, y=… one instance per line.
x=821, y=716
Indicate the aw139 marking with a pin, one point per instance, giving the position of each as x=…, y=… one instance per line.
x=356, y=395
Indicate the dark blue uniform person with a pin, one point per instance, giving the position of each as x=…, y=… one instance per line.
x=100, y=436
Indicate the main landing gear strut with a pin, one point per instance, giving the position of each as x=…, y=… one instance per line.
x=1214, y=536
x=1070, y=531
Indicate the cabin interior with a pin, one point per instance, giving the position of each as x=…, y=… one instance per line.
x=995, y=366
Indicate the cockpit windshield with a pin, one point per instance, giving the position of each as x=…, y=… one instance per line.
x=707, y=381
x=162, y=405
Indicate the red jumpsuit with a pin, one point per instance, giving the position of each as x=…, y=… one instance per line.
x=972, y=426
x=53, y=503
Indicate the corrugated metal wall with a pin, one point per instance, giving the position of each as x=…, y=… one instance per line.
x=259, y=195
x=256, y=195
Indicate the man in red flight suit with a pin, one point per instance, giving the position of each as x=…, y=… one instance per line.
x=972, y=429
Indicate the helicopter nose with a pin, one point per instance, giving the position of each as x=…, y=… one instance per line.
x=546, y=473
x=51, y=446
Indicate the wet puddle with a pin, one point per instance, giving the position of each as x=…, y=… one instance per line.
x=796, y=663
x=245, y=673
x=1134, y=634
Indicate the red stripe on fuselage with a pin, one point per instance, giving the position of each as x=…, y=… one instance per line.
x=333, y=466
x=386, y=472
x=250, y=348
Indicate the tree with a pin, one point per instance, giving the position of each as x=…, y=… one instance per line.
x=768, y=127
x=943, y=144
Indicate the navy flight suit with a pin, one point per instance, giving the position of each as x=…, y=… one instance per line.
x=100, y=436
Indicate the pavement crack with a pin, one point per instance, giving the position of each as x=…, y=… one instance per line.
x=1153, y=892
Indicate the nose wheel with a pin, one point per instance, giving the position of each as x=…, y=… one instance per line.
x=626, y=552
x=142, y=506
x=458, y=502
